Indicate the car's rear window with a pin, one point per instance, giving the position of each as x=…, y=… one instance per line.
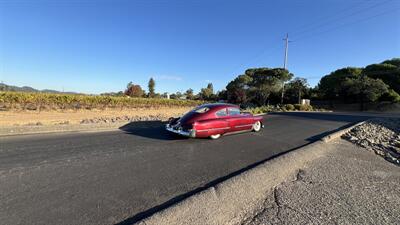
x=221, y=112
x=201, y=109
x=233, y=111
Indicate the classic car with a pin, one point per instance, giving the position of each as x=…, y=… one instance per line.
x=214, y=120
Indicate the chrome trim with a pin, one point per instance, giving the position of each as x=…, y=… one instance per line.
x=222, y=128
x=244, y=125
x=191, y=133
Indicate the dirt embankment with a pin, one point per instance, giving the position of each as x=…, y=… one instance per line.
x=73, y=117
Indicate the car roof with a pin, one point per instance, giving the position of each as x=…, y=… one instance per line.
x=219, y=105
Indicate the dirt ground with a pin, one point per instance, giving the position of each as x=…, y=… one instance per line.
x=18, y=118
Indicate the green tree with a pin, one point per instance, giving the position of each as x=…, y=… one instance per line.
x=256, y=85
x=365, y=88
x=331, y=86
x=176, y=95
x=390, y=96
x=189, y=94
x=266, y=81
x=222, y=95
x=237, y=89
x=296, y=88
x=207, y=93
x=388, y=71
x=164, y=95
x=152, y=85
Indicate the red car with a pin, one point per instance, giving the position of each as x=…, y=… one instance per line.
x=214, y=120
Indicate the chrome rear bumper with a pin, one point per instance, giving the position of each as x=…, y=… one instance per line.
x=191, y=133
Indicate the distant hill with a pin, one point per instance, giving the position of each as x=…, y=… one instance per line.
x=6, y=87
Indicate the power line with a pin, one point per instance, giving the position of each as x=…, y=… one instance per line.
x=321, y=20
x=257, y=56
x=347, y=24
x=337, y=27
x=322, y=24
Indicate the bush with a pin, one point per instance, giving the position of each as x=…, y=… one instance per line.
x=261, y=109
x=284, y=108
x=303, y=107
x=289, y=107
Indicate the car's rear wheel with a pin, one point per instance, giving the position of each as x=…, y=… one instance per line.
x=257, y=126
x=215, y=136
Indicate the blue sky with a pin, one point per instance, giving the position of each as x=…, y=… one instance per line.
x=99, y=46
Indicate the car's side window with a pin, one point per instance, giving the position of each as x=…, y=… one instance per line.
x=233, y=111
x=221, y=113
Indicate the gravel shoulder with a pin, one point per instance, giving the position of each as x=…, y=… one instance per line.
x=349, y=185
x=381, y=135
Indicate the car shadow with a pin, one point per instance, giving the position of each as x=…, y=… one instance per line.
x=150, y=129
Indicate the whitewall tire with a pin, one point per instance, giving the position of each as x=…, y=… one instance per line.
x=257, y=126
x=215, y=136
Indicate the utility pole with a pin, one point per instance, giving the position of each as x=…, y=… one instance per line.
x=286, y=39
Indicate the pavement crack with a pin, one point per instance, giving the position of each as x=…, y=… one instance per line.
x=277, y=203
x=299, y=175
x=258, y=213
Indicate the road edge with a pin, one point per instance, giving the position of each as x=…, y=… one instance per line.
x=233, y=200
x=328, y=138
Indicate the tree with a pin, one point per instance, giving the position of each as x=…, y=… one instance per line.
x=390, y=96
x=298, y=86
x=189, y=94
x=165, y=95
x=133, y=90
x=151, y=86
x=236, y=90
x=331, y=86
x=210, y=87
x=176, y=95
x=207, y=93
x=365, y=88
x=256, y=85
x=222, y=95
x=388, y=71
x=266, y=81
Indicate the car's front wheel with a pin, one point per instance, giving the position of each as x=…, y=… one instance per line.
x=257, y=126
x=215, y=136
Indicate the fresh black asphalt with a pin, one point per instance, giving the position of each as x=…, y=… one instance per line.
x=122, y=176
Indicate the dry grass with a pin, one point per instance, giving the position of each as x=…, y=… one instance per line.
x=13, y=118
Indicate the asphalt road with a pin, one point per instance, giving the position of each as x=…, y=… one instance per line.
x=122, y=176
